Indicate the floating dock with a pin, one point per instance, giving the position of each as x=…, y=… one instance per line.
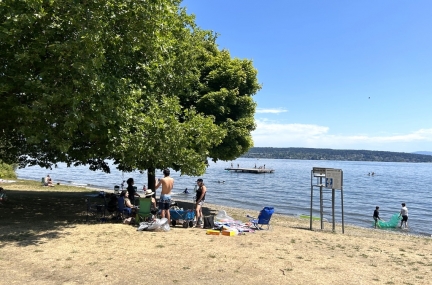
x=251, y=170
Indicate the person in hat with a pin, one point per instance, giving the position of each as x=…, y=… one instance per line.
x=200, y=199
x=165, y=197
x=149, y=195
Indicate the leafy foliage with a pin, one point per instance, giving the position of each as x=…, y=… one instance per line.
x=7, y=171
x=132, y=81
x=224, y=90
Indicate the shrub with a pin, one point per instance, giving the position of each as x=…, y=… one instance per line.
x=7, y=171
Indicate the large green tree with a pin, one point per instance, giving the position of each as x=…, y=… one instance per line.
x=225, y=91
x=133, y=81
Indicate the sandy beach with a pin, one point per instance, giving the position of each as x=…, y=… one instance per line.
x=45, y=239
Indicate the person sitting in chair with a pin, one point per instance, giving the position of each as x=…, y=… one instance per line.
x=130, y=209
x=149, y=195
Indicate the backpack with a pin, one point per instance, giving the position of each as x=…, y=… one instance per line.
x=208, y=222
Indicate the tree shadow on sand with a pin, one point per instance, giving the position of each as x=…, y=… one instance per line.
x=30, y=217
x=34, y=217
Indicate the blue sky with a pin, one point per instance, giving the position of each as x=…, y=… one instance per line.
x=335, y=74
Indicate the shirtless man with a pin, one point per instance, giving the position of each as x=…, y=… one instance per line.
x=165, y=197
x=48, y=181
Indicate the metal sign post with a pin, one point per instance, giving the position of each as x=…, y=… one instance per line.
x=329, y=178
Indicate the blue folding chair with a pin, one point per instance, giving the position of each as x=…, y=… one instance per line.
x=263, y=218
x=123, y=212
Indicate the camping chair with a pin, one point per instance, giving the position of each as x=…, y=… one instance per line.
x=95, y=210
x=112, y=205
x=144, y=211
x=122, y=212
x=263, y=218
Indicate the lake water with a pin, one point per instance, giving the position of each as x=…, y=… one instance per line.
x=288, y=188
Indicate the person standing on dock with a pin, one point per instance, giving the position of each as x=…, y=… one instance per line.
x=264, y=166
x=238, y=165
x=232, y=165
x=404, y=214
x=376, y=216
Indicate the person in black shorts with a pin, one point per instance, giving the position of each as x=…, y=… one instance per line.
x=404, y=214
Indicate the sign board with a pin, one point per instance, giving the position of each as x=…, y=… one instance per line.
x=319, y=170
x=333, y=178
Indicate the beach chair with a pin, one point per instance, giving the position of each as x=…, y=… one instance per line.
x=263, y=218
x=94, y=210
x=122, y=211
x=144, y=211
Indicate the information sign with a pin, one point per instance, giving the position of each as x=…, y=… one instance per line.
x=333, y=178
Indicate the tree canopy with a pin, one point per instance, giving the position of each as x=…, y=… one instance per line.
x=136, y=82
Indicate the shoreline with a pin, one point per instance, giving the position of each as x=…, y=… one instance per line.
x=316, y=224
x=255, y=191
x=327, y=224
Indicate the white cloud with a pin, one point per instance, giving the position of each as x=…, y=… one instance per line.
x=270, y=134
x=271, y=111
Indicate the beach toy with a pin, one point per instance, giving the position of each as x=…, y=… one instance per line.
x=213, y=232
x=229, y=233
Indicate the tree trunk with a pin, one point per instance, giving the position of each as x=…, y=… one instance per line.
x=151, y=178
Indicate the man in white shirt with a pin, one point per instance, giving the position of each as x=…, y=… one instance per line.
x=404, y=214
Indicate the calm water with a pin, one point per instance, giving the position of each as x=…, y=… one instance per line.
x=288, y=188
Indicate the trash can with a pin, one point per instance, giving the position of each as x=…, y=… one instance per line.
x=116, y=189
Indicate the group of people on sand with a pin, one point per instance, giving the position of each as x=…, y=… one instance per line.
x=167, y=184
x=403, y=213
x=128, y=196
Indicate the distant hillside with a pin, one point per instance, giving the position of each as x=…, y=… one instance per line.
x=335, y=154
x=423, y=152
